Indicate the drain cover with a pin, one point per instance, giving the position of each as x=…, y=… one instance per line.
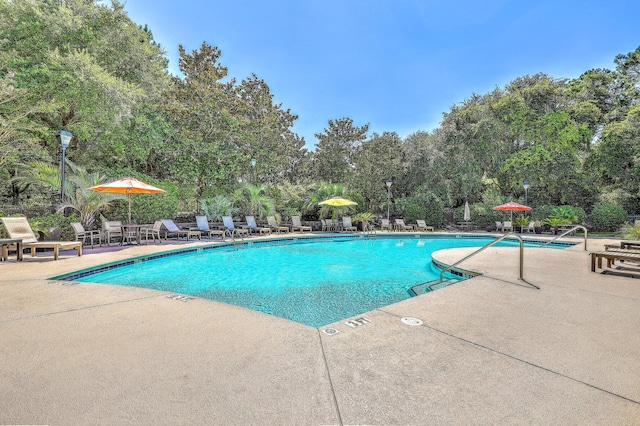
x=330, y=331
x=411, y=321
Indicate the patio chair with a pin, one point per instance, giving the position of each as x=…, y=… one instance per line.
x=507, y=227
x=401, y=226
x=19, y=228
x=253, y=226
x=529, y=228
x=174, y=231
x=232, y=230
x=203, y=226
x=80, y=232
x=110, y=229
x=498, y=226
x=421, y=225
x=347, y=225
x=153, y=231
x=273, y=224
x=298, y=226
x=384, y=223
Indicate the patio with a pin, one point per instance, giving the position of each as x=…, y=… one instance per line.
x=491, y=350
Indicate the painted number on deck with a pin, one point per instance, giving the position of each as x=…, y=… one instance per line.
x=357, y=322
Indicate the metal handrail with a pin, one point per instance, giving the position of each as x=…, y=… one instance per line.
x=486, y=247
x=575, y=228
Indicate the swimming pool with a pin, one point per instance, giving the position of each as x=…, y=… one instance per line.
x=314, y=281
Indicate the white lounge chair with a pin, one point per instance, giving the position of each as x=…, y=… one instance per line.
x=421, y=225
x=174, y=231
x=273, y=224
x=298, y=226
x=347, y=225
x=253, y=226
x=203, y=226
x=232, y=230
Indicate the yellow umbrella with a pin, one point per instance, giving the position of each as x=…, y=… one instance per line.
x=338, y=202
x=127, y=186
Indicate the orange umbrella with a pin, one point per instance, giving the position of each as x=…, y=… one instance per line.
x=127, y=186
x=512, y=206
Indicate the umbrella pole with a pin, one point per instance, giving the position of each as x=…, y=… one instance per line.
x=129, y=196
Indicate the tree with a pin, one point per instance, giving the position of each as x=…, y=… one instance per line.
x=253, y=200
x=333, y=157
x=376, y=160
x=207, y=117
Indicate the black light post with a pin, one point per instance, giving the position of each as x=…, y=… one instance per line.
x=389, y=182
x=64, y=137
x=253, y=168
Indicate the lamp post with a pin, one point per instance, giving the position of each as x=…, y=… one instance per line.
x=388, y=182
x=253, y=169
x=526, y=186
x=64, y=137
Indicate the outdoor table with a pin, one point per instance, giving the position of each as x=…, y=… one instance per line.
x=5, y=243
x=129, y=232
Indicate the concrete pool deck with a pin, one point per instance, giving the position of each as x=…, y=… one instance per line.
x=491, y=350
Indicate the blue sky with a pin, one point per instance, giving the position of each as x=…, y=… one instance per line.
x=395, y=64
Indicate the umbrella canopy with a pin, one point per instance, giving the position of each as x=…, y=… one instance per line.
x=512, y=207
x=338, y=202
x=127, y=186
x=467, y=212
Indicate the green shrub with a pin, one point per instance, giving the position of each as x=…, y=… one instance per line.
x=424, y=206
x=40, y=223
x=607, y=217
x=145, y=208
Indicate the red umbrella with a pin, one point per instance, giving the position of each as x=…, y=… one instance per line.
x=512, y=206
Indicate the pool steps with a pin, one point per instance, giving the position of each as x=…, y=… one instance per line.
x=431, y=286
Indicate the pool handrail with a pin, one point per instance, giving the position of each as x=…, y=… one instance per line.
x=568, y=231
x=508, y=234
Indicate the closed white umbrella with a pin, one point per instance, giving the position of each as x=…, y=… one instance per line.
x=467, y=212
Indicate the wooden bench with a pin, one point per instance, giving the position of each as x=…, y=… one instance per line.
x=611, y=256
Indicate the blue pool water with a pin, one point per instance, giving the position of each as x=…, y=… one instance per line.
x=311, y=281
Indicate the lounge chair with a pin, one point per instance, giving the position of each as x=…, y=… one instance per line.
x=153, y=231
x=298, y=226
x=507, y=227
x=231, y=227
x=384, y=223
x=19, y=228
x=253, y=226
x=203, y=226
x=401, y=226
x=174, y=231
x=273, y=224
x=421, y=225
x=347, y=225
x=110, y=229
x=81, y=233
